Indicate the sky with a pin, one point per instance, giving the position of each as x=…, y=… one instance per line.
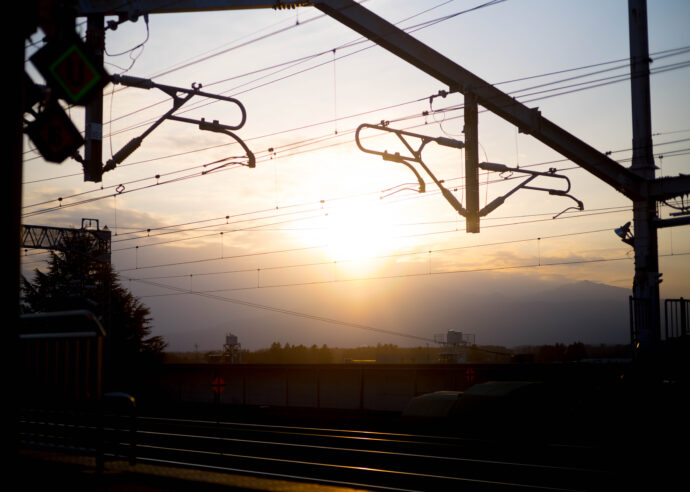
x=323, y=243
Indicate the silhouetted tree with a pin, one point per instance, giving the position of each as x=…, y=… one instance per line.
x=76, y=280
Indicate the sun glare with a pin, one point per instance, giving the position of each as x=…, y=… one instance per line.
x=355, y=235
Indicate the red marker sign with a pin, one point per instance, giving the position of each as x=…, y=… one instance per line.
x=470, y=374
x=218, y=385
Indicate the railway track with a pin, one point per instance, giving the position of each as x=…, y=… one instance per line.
x=355, y=458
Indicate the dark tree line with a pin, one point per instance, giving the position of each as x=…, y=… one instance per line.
x=75, y=280
x=289, y=354
x=391, y=353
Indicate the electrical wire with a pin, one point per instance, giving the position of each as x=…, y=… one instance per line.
x=270, y=252
x=377, y=257
x=158, y=183
x=481, y=6
x=293, y=313
x=262, y=228
x=664, y=53
x=671, y=52
x=416, y=27
x=452, y=108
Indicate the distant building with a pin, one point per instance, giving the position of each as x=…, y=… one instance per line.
x=232, y=350
x=455, y=344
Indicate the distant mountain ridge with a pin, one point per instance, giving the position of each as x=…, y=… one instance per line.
x=498, y=310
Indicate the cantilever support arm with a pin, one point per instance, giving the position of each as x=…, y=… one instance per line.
x=415, y=157
x=528, y=120
x=179, y=97
x=218, y=128
x=531, y=176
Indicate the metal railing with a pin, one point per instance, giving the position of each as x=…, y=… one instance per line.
x=677, y=318
x=640, y=315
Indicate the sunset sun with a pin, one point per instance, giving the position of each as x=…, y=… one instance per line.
x=354, y=235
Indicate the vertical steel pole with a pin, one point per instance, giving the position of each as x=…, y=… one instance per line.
x=471, y=162
x=646, y=282
x=93, y=147
x=11, y=202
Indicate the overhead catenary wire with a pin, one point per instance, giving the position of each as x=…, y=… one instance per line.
x=138, y=233
x=452, y=108
x=320, y=246
x=450, y=16
x=399, y=119
x=198, y=174
x=298, y=314
x=474, y=8
x=298, y=60
x=460, y=107
x=386, y=256
x=662, y=54
x=262, y=228
x=678, y=152
x=667, y=154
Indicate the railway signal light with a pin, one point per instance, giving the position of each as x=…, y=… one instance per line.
x=54, y=134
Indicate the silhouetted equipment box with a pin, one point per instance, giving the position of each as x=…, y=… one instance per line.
x=436, y=405
x=492, y=408
x=504, y=405
x=61, y=357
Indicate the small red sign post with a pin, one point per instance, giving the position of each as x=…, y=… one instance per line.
x=218, y=385
x=470, y=374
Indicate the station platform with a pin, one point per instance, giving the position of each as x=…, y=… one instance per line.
x=40, y=470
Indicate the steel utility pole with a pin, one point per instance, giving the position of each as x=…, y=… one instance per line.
x=93, y=115
x=472, y=162
x=645, y=301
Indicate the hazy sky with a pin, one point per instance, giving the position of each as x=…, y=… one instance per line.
x=316, y=213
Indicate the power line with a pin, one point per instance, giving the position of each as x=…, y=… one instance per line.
x=452, y=108
x=270, y=252
x=261, y=227
x=62, y=205
x=186, y=177
x=665, y=53
x=295, y=61
x=298, y=314
x=433, y=22
x=377, y=257
x=175, y=228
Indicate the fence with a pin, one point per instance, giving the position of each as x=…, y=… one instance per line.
x=677, y=318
